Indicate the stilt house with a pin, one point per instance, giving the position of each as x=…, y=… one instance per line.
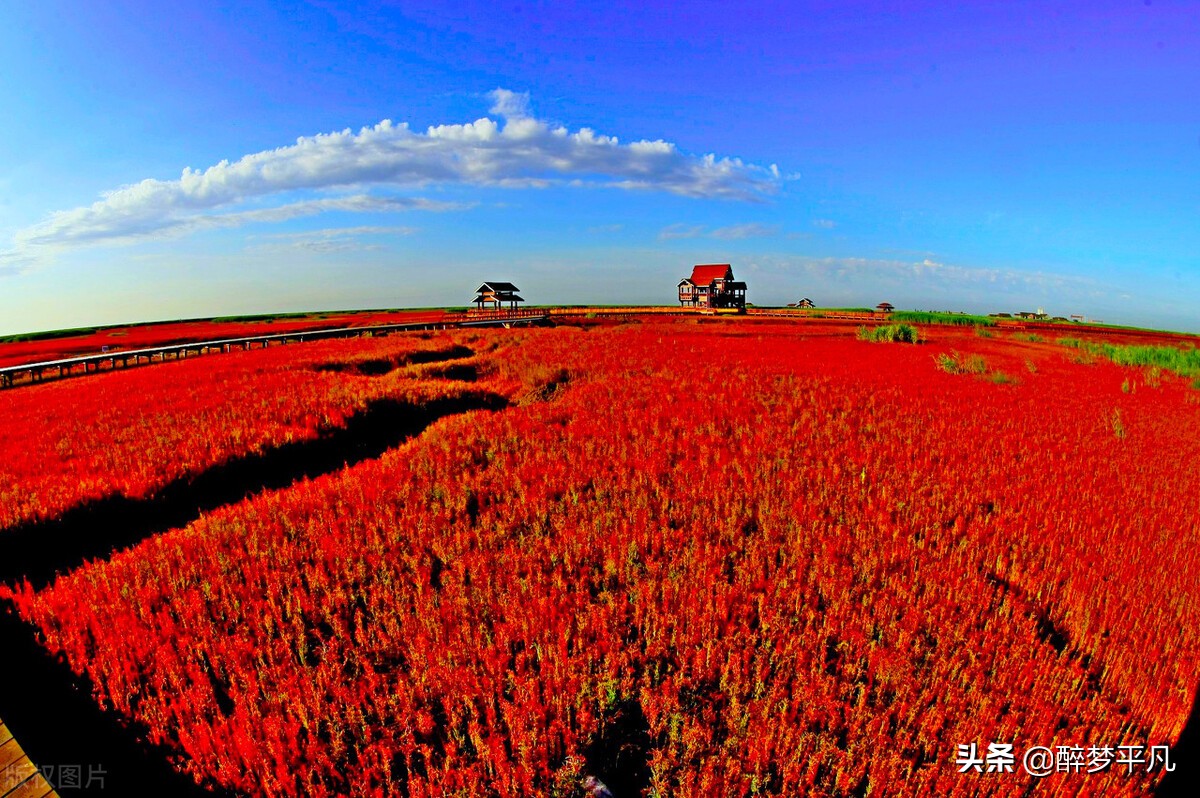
x=712, y=286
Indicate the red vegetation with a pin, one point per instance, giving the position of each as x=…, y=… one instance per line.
x=140, y=336
x=736, y=558
x=131, y=432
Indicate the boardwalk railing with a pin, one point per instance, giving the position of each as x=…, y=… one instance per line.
x=475, y=317
x=29, y=373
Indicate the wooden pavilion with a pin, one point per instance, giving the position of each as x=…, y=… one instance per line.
x=494, y=296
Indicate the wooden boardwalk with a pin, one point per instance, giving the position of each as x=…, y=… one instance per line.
x=30, y=373
x=19, y=778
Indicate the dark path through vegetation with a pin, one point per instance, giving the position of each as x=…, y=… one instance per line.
x=38, y=550
x=58, y=723
x=50, y=709
x=620, y=753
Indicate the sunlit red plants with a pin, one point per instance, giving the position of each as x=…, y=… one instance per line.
x=761, y=559
x=131, y=432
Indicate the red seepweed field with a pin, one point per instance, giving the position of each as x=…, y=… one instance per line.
x=686, y=557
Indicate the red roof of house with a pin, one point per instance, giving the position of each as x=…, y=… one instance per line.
x=704, y=274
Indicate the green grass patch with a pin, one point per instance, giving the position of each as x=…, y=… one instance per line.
x=955, y=363
x=262, y=317
x=893, y=333
x=932, y=317
x=1184, y=362
x=47, y=335
x=821, y=313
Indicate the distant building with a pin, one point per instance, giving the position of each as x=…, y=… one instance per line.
x=494, y=295
x=885, y=307
x=712, y=286
x=805, y=303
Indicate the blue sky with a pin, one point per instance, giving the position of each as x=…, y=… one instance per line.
x=182, y=160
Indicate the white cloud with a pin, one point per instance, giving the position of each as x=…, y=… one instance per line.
x=738, y=231
x=323, y=245
x=824, y=224
x=931, y=278
x=127, y=223
x=509, y=104
x=522, y=153
x=731, y=232
x=338, y=239
x=13, y=263
x=362, y=230
x=680, y=231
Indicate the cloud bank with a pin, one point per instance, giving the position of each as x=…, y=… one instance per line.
x=520, y=152
x=924, y=283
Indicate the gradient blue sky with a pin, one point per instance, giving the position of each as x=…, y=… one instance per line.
x=1005, y=156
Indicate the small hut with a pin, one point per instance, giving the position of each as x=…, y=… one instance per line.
x=884, y=307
